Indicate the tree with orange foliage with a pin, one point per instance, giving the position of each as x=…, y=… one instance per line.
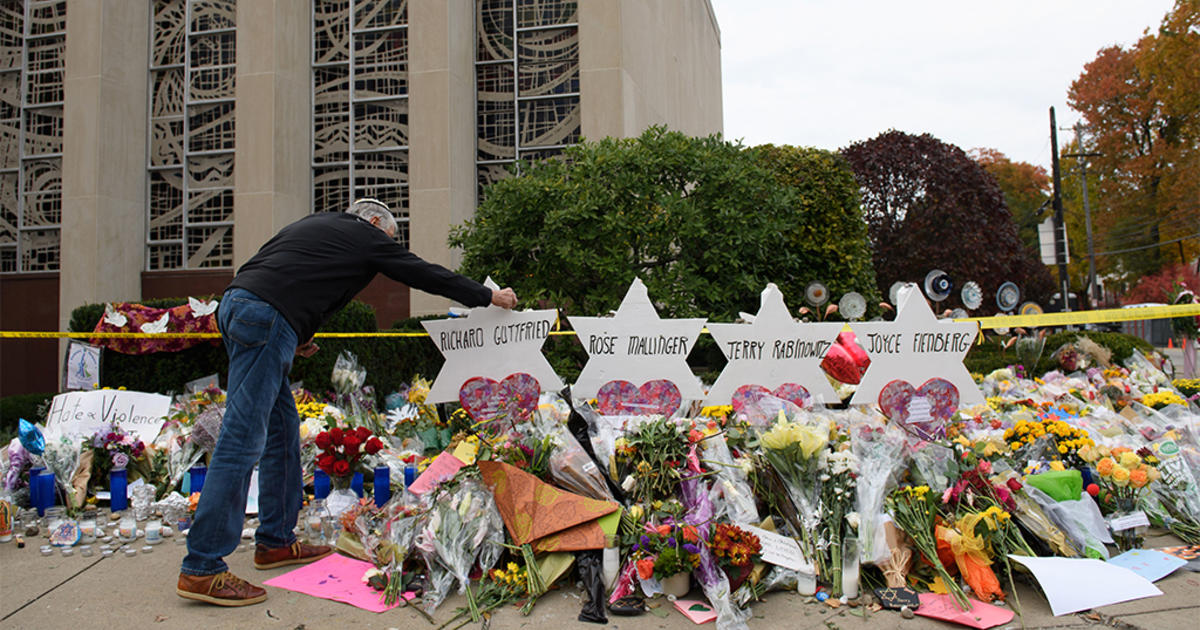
x=1026, y=188
x=1142, y=109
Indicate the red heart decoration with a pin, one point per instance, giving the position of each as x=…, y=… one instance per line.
x=941, y=395
x=512, y=400
x=622, y=398
x=759, y=405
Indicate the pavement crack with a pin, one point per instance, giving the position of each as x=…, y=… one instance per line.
x=51, y=589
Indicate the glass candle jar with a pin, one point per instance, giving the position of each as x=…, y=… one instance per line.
x=87, y=527
x=153, y=531
x=127, y=526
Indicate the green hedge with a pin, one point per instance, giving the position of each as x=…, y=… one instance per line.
x=990, y=356
x=13, y=408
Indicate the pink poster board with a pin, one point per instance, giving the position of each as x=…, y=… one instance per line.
x=334, y=577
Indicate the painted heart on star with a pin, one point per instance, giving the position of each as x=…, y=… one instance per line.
x=748, y=395
x=511, y=400
x=622, y=398
x=897, y=398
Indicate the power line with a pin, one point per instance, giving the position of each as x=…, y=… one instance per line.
x=1134, y=249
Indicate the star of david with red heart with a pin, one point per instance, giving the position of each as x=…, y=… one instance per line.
x=622, y=398
x=896, y=399
x=496, y=404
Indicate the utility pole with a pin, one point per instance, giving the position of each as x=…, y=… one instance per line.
x=1087, y=212
x=1060, y=245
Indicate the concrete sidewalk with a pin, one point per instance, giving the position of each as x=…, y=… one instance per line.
x=41, y=593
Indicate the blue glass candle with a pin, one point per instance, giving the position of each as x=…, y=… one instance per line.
x=356, y=484
x=117, y=482
x=46, y=494
x=383, y=485
x=410, y=474
x=196, y=474
x=320, y=484
x=33, y=486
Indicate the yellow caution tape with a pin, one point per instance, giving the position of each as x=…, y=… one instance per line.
x=1010, y=321
x=1086, y=317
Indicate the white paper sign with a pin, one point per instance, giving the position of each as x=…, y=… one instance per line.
x=81, y=414
x=491, y=342
x=1129, y=521
x=82, y=369
x=915, y=348
x=773, y=350
x=781, y=550
x=637, y=346
x=1075, y=584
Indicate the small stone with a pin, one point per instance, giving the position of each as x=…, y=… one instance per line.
x=114, y=516
x=129, y=553
x=833, y=603
x=31, y=531
x=247, y=533
x=167, y=532
x=147, y=549
x=906, y=612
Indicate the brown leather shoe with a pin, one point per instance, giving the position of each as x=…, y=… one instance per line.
x=222, y=589
x=296, y=553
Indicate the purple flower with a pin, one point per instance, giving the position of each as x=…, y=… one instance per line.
x=635, y=547
x=645, y=540
x=671, y=541
x=120, y=460
x=690, y=548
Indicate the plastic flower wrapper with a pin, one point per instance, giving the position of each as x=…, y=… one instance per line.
x=933, y=462
x=181, y=451
x=61, y=455
x=464, y=526
x=879, y=449
x=731, y=495
x=1175, y=502
x=794, y=449
x=708, y=573
x=348, y=379
x=18, y=460
x=571, y=468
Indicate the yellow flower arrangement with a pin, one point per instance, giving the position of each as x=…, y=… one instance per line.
x=1067, y=441
x=1160, y=399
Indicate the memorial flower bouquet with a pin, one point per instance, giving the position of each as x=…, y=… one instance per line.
x=794, y=451
x=663, y=551
x=838, y=493
x=913, y=510
x=464, y=529
x=1123, y=477
x=736, y=551
x=341, y=451
x=650, y=460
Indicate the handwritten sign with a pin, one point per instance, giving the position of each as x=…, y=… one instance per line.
x=773, y=350
x=781, y=550
x=637, y=346
x=491, y=342
x=81, y=414
x=915, y=347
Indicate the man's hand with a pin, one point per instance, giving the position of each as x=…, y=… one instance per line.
x=307, y=349
x=504, y=298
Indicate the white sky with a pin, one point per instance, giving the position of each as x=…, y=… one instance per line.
x=827, y=73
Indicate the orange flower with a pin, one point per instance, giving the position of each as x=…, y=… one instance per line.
x=689, y=534
x=664, y=530
x=1138, y=477
x=1105, y=466
x=645, y=568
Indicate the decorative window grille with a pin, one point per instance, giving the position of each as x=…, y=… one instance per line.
x=193, y=63
x=360, y=105
x=32, y=59
x=526, y=83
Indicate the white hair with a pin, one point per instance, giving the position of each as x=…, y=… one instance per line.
x=371, y=208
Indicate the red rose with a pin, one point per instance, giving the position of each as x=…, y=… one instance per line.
x=324, y=441
x=362, y=433
x=341, y=468
x=351, y=441
x=351, y=450
x=374, y=445
x=1093, y=489
x=1014, y=485
x=325, y=463
x=335, y=434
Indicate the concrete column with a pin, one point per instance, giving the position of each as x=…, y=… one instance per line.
x=273, y=140
x=104, y=153
x=442, y=138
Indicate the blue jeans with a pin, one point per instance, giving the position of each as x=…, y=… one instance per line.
x=260, y=426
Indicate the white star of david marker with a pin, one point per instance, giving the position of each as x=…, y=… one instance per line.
x=637, y=346
x=491, y=342
x=916, y=347
x=773, y=350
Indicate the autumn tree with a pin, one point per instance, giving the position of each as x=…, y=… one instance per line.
x=705, y=223
x=1142, y=109
x=1026, y=190
x=928, y=205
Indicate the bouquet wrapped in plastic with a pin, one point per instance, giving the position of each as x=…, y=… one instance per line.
x=464, y=528
x=879, y=450
x=708, y=573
